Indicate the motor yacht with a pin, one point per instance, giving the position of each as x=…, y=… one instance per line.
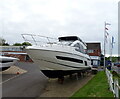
x=57, y=59
x=7, y=62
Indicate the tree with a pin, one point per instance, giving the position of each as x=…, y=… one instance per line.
x=114, y=59
x=26, y=44
x=3, y=42
x=17, y=44
x=22, y=44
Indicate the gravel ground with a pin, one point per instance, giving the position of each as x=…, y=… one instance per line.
x=67, y=89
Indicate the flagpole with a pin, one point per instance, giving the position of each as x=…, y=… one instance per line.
x=105, y=39
x=112, y=48
x=111, y=55
x=111, y=52
x=104, y=43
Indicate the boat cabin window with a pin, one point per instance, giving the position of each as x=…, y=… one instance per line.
x=79, y=48
x=67, y=43
x=85, y=63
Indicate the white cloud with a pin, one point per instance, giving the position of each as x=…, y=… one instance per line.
x=84, y=18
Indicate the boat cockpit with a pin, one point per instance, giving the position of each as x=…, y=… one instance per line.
x=73, y=41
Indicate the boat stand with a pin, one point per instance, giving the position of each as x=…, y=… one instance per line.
x=61, y=80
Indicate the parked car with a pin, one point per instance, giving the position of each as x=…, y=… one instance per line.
x=117, y=64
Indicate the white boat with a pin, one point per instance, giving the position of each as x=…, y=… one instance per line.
x=6, y=62
x=56, y=59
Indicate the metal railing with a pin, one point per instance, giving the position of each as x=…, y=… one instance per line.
x=113, y=83
x=38, y=39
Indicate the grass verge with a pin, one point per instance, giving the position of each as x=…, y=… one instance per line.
x=96, y=87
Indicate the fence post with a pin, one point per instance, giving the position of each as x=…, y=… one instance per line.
x=116, y=89
x=111, y=82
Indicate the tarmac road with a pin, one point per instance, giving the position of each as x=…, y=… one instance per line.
x=34, y=85
x=29, y=84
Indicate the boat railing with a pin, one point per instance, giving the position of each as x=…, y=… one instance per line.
x=39, y=40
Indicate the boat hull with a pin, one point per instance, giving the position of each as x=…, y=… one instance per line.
x=6, y=62
x=48, y=60
x=61, y=73
x=58, y=63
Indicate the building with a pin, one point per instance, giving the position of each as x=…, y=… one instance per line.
x=94, y=51
x=15, y=51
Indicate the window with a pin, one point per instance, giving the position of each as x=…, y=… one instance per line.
x=77, y=45
x=69, y=59
x=91, y=62
x=95, y=62
x=79, y=48
x=85, y=63
x=90, y=51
